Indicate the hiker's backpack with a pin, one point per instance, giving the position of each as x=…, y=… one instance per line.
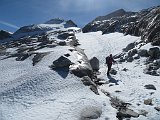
x=107, y=59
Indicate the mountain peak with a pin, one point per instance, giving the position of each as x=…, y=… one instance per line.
x=116, y=13
x=55, y=21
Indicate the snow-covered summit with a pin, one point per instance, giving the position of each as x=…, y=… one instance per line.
x=39, y=29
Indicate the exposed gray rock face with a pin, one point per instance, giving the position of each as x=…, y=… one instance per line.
x=94, y=63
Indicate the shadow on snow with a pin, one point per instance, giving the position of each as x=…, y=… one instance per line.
x=112, y=80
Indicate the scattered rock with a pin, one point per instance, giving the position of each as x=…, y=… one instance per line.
x=148, y=102
x=143, y=112
x=117, y=91
x=110, y=85
x=22, y=56
x=38, y=57
x=113, y=71
x=154, y=52
x=132, y=52
x=63, y=36
x=126, y=114
x=91, y=112
x=136, y=56
x=129, y=47
x=61, y=62
x=62, y=43
x=67, y=55
x=130, y=59
x=94, y=89
x=125, y=69
x=156, y=43
x=157, y=108
x=143, y=53
x=122, y=59
x=87, y=81
x=123, y=111
x=94, y=63
x=150, y=86
x=82, y=71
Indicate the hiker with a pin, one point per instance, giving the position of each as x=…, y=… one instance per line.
x=109, y=61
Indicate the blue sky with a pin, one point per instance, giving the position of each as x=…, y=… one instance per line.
x=18, y=13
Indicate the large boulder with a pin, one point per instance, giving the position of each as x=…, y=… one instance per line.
x=143, y=53
x=154, y=52
x=62, y=43
x=90, y=112
x=148, y=102
x=61, y=62
x=132, y=52
x=94, y=63
x=129, y=47
x=82, y=71
x=130, y=59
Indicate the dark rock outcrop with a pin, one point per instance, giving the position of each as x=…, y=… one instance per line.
x=154, y=53
x=152, y=87
x=38, y=57
x=143, y=53
x=61, y=62
x=145, y=23
x=94, y=63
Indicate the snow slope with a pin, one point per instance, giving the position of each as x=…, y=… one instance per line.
x=130, y=83
x=30, y=92
x=36, y=92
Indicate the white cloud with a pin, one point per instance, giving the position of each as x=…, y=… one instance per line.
x=9, y=24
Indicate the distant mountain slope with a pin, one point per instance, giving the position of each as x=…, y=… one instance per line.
x=4, y=34
x=145, y=23
x=39, y=29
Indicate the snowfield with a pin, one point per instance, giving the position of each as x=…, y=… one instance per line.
x=37, y=92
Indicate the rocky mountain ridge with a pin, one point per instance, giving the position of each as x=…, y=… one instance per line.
x=145, y=23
